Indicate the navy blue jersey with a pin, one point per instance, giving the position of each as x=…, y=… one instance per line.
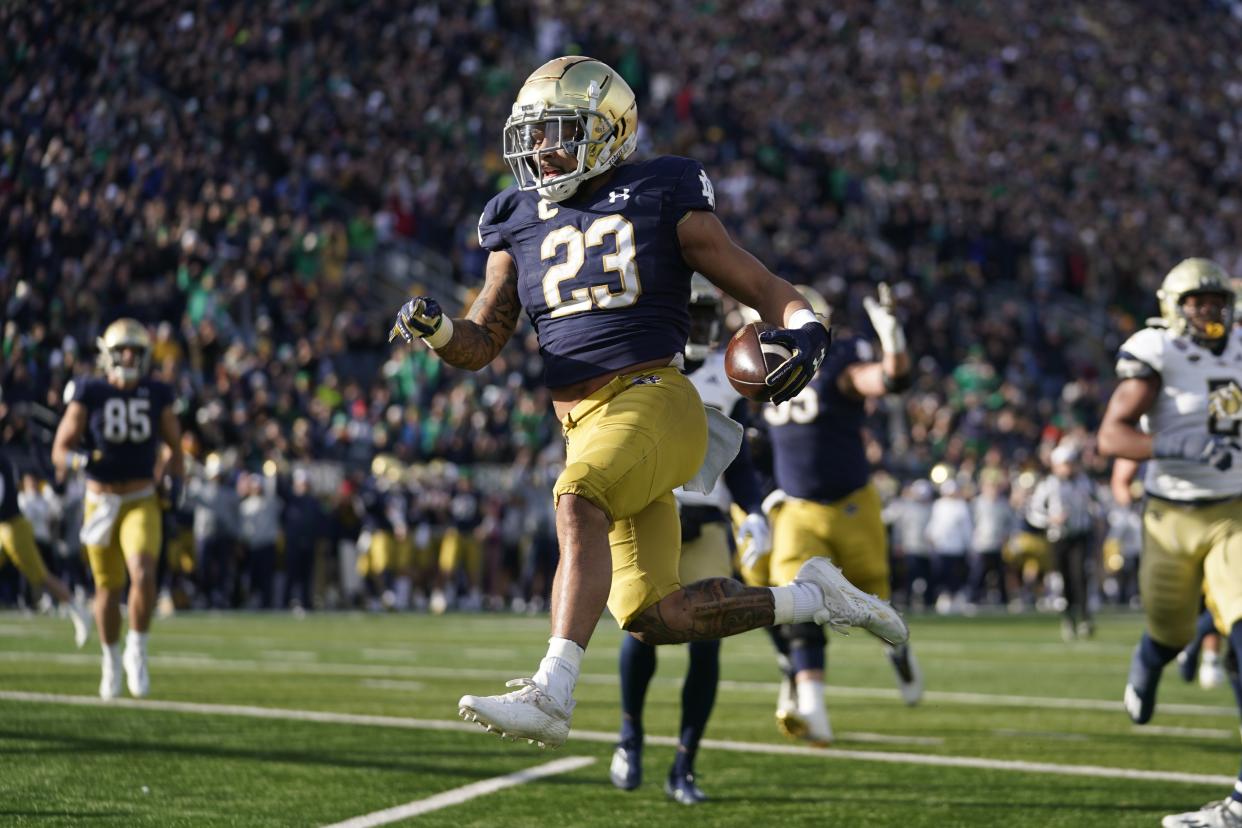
x=8, y=487
x=379, y=506
x=123, y=427
x=817, y=446
x=601, y=276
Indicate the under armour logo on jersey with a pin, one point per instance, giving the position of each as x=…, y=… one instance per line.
x=623, y=194
x=649, y=379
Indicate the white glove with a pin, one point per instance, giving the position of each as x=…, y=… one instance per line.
x=754, y=537
x=774, y=499
x=887, y=327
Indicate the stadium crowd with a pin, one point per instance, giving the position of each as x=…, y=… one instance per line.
x=1016, y=171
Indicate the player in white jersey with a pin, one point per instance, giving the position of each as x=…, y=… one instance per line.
x=1178, y=405
x=706, y=552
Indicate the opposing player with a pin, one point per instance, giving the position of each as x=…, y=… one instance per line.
x=600, y=253
x=705, y=553
x=1178, y=405
x=111, y=430
x=827, y=505
x=17, y=544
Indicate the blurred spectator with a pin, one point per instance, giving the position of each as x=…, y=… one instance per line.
x=949, y=532
x=909, y=516
x=260, y=511
x=217, y=518
x=304, y=528
x=994, y=521
x=1064, y=504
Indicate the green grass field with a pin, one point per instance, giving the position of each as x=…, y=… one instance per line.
x=1011, y=719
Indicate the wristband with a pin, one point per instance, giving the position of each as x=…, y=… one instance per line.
x=802, y=317
x=441, y=335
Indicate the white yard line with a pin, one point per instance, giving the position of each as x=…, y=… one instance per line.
x=391, y=684
x=610, y=679
x=610, y=737
x=465, y=793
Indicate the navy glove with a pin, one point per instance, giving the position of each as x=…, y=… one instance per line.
x=1216, y=452
x=809, y=345
x=419, y=317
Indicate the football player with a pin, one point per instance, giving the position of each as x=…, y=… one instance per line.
x=1178, y=405
x=17, y=544
x=706, y=552
x=825, y=504
x=599, y=254
x=111, y=430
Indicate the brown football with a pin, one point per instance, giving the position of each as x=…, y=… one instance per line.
x=748, y=362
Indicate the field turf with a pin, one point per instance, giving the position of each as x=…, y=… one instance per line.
x=271, y=720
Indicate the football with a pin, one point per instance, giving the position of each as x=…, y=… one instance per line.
x=748, y=361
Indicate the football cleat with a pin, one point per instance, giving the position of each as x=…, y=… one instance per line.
x=818, y=731
x=110, y=678
x=81, y=625
x=1220, y=814
x=136, y=678
x=788, y=720
x=626, y=770
x=1140, y=695
x=1211, y=673
x=909, y=676
x=680, y=788
x=528, y=713
x=845, y=605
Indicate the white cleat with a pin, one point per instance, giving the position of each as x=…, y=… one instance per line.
x=136, y=678
x=909, y=675
x=845, y=605
x=818, y=730
x=1220, y=814
x=110, y=679
x=81, y=625
x=787, y=719
x=527, y=713
x=1211, y=673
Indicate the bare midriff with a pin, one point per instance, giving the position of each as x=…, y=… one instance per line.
x=566, y=397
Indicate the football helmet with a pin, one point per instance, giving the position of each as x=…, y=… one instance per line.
x=816, y=300
x=121, y=334
x=577, y=105
x=706, y=315
x=1190, y=277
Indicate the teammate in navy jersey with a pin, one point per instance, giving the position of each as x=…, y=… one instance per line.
x=600, y=254
x=111, y=430
x=825, y=504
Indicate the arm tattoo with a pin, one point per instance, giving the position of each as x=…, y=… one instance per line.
x=705, y=610
x=489, y=323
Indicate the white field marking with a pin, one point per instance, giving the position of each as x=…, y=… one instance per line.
x=610, y=679
x=391, y=684
x=465, y=793
x=388, y=655
x=485, y=654
x=289, y=655
x=1047, y=735
x=1188, y=732
x=611, y=737
x=23, y=631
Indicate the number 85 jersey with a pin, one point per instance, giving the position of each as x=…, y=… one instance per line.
x=123, y=427
x=601, y=276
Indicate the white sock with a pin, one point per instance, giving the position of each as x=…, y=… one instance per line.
x=558, y=671
x=137, y=640
x=810, y=696
x=112, y=652
x=796, y=603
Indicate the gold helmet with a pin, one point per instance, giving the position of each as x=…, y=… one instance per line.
x=816, y=300
x=576, y=104
x=386, y=467
x=1194, y=276
x=121, y=334
x=706, y=316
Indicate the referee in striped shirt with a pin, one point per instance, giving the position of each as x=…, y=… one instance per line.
x=1063, y=505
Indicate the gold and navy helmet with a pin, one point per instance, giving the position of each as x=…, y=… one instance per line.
x=706, y=317
x=1190, y=277
x=576, y=104
x=121, y=334
x=816, y=300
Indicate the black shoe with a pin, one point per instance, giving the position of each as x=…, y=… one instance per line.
x=680, y=788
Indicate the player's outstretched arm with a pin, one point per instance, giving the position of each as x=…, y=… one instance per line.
x=1120, y=435
x=474, y=341
x=707, y=247
x=892, y=372
x=65, y=455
